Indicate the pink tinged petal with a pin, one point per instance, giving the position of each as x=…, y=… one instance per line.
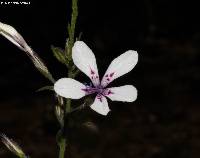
x=100, y=105
x=127, y=93
x=120, y=66
x=69, y=88
x=85, y=60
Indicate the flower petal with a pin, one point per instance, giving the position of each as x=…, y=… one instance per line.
x=100, y=105
x=127, y=93
x=120, y=66
x=69, y=88
x=85, y=60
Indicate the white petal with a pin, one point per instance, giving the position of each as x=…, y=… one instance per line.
x=12, y=35
x=100, y=105
x=85, y=60
x=69, y=88
x=127, y=93
x=120, y=66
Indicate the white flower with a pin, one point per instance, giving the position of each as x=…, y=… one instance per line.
x=85, y=60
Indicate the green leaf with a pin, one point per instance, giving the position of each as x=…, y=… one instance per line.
x=45, y=88
x=60, y=55
x=46, y=74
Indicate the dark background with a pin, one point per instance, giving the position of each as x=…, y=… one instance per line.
x=162, y=123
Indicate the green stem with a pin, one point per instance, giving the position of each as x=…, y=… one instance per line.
x=62, y=147
x=71, y=28
x=68, y=106
x=68, y=52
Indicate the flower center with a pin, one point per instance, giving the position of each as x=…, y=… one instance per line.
x=90, y=89
x=98, y=89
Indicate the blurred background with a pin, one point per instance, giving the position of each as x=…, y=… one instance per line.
x=164, y=122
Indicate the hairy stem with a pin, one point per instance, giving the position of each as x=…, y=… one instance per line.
x=68, y=50
x=71, y=28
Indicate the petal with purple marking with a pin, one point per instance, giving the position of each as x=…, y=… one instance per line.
x=127, y=93
x=69, y=88
x=120, y=66
x=85, y=60
x=100, y=105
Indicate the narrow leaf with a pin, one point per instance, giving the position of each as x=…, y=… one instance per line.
x=45, y=88
x=59, y=54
